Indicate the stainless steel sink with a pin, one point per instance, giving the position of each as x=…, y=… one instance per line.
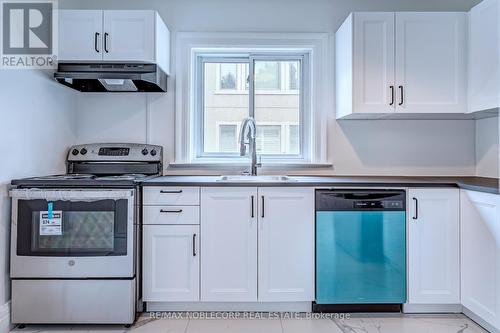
x=256, y=179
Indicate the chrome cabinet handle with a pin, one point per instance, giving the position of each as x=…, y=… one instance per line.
x=177, y=211
x=96, y=36
x=252, y=207
x=402, y=95
x=415, y=216
x=106, y=42
x=262, y=206
x=170, y=192
x=194, y=245
x=392, y=95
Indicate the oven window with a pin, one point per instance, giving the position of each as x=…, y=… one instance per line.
x=83, y=231
x=97, y=228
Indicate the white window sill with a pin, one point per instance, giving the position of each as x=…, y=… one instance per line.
x=271, y=165
x=259, y=92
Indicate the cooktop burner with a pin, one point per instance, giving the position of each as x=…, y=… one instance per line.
x=66, y=177
x=130, y=176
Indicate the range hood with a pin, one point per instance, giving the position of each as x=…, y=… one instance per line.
x=112, y=77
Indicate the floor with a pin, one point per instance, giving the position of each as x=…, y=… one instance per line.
x=273, y=323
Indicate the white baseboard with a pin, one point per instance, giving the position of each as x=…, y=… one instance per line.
x=432, y=308
x=480, y=321
x=230, y=306
x=5, y=325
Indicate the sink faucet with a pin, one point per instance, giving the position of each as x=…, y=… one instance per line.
x=249, y=131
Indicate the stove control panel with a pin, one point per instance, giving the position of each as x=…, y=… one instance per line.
x=125, y=152
x=113, y=151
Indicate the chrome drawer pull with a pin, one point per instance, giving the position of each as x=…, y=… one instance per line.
x=194, y=245
x=167, y=192
x=262, y=207
x=251, y=207
x=415, y=216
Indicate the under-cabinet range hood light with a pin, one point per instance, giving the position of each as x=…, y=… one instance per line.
x=112, y=77
x=118, y=85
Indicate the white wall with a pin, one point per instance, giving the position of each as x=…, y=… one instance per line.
x=265, y=15
x=487, y=147
x=355, y=147
x=37, y=125
x=363, y=147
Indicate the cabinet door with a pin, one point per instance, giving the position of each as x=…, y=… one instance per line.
x=373, y=62
x=431, y=62
x=229, y=245
x=480, y=246
x=80, y=35
x=484, y=67
x=171, y=263
x=286, y=244
x=433, y=246
x=129, y=35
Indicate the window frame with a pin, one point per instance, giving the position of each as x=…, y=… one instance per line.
x=304, y=87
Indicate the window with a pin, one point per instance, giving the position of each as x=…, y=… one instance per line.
x=267, y=75
x=228, y=138
x=293, y=75
x=227, y=76
x=267, y=87
x=293, y=139
x=269, y=139
x=301, y=103
x=230, y=77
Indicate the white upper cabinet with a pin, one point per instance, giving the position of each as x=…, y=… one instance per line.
x=80, y=35
x=388, y=64
x=480, y=253
x=128, y=35
x=374, y=62
x=114, y=35
x=431, y=63
x=229, y=244
x=484, y=67
x=286, y=244
x=433, y=246
x=364, y=65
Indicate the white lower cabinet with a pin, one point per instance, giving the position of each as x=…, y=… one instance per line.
x=229, y=244
x=251, y=245
x=257, y=244
x=480, y=253
x=286, y=244
x=171, y=263
x=433, y=246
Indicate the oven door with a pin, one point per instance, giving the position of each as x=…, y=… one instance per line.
x=72, y=233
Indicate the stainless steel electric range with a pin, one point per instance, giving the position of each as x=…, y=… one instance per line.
x=75, y=238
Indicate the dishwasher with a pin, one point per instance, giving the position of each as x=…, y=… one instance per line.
x=360, y=250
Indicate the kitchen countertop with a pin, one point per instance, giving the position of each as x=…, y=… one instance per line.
x=481, y=184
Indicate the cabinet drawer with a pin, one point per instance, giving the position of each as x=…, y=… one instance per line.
x=171, y=215
x=169, y=195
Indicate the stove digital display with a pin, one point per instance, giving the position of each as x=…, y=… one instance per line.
x=113, y=151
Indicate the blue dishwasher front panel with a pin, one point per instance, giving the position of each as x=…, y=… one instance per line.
x=360, y=257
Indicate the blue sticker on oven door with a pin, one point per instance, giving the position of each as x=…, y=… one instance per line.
x=50, y=207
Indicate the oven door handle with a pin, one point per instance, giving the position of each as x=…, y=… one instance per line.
x=71, y=195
